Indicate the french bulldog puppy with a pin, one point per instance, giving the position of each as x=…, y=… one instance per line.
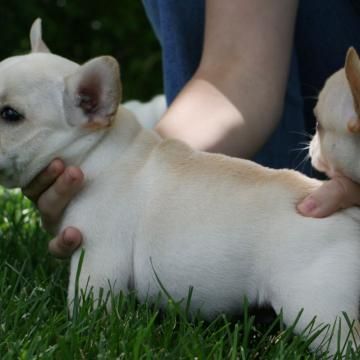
x=156, y=214
x=335, y=148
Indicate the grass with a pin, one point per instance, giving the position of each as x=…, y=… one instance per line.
x=34, y=323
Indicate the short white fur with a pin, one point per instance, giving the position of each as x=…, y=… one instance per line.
x=227, y=227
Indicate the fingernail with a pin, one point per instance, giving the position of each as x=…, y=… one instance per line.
x=53, y=169
x=70, y=177
x=308, y=206
x=68, y=241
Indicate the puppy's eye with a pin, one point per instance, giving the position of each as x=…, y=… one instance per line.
x=7, y=113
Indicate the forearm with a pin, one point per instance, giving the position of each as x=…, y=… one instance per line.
x=206, y=119
x=235, y=98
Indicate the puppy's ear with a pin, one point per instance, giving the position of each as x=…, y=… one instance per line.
x=37, y=43
x=93, y=93
x=352, y=71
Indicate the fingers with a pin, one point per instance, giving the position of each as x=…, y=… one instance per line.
x=42, y=181
x=53, y=201
x=63, y=245
x=52, y=190
x=335, y=194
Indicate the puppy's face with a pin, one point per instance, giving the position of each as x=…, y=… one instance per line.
x=46, y=103
x=335, y=148
x=31, y=111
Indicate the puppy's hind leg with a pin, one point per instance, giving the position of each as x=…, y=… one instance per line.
x=326, y=304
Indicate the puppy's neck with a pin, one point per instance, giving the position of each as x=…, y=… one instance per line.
x=93, y=150
x=113, y=144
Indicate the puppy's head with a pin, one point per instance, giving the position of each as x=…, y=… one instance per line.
x=47, y=103
x=335, y=148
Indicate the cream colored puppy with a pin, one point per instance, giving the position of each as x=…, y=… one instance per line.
x=335, y=148
x=156, y=209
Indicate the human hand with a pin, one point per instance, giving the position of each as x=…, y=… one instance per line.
x=51, y=191
x=338, y=193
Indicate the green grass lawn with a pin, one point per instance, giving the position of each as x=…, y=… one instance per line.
x=34, y=322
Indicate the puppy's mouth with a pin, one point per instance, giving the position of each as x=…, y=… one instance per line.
x=8, y=180
x=322, y=165
x=319, y=164
x=317, y=159
x=9, y=172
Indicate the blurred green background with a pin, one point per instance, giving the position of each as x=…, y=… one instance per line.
x=83, y=29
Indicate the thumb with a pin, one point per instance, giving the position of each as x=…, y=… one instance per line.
x=64, y=244
x=335, y=194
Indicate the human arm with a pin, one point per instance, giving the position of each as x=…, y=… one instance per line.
x=235, y=98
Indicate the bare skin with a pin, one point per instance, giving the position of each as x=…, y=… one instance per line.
x=237, y=94
x=52, y=190
x=241, y=79
x=335, y=194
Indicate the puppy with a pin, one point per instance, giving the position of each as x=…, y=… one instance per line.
x=335, y=148
x=154, y=213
